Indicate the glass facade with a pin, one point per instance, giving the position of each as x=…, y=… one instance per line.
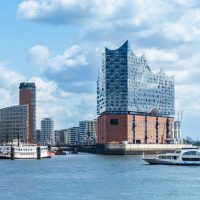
x=47, y=131
x=71, y=135
x=87, y=131
x=126, y=84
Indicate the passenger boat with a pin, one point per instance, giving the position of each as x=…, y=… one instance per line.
x=23, y=152
x=185, y=156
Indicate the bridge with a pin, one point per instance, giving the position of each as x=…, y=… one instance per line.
x=74, y=148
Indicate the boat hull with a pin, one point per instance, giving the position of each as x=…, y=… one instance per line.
x=28, y=158
x=18, y=157
x=154, y=161
x=5, y=157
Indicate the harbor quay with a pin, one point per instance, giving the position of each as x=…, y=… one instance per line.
x=124, y=149
x=140, y=149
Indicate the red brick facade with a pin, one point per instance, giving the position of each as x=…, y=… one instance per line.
x=134, y=129
x=25, y=99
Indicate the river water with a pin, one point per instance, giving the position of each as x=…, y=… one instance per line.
x=96, y=177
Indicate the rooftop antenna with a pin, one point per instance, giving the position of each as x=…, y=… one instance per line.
x=181, y=116
x=178, y=114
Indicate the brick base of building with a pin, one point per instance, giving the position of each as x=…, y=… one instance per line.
x=136, y=129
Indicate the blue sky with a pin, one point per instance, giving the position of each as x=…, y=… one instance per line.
x=58, y=44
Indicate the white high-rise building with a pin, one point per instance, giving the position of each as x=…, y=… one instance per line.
x=177, y=131
x=71, y=135
x=87, y=131
x=47, y=131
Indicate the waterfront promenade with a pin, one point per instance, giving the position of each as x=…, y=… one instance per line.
x=94, y=177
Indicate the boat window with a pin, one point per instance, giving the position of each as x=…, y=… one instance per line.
x=168, y=157
x=191, y=153
x=191, y=159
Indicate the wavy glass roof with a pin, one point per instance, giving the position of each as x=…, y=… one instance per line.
x=126, y=84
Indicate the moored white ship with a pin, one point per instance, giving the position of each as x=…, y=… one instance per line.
x=185, y=156
x=23, y=152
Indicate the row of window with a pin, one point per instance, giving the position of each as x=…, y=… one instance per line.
x=191, y=159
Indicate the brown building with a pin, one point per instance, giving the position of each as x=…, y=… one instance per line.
x=136, y=129
x=27, y=96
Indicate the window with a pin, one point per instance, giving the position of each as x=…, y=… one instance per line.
x=114, y=121
x=191, y=153
x=191, y=159
x=138, y=142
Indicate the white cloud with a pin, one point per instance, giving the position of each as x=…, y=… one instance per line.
x=188, y=99
x=160, y=55
x=186, y=70
x=55, y=12
x=177, y=21
x=177, y=32
x=68, y=9
x=71, y=57
x=28, y=9
x=180, y=76
x=46, y=89
x=9, y=83
x=41, y=56
x=112, y=13
x=186, y=28
x=9, y=78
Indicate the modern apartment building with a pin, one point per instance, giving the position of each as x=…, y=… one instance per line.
x=133, y=103
x=177, y=131
x=14, y=124
x=27, y=96
x=38, y=133
x=60, y=136
x=71, y=135
x=87, y=132
x=47, y=131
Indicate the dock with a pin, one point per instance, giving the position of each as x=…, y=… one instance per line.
x=133, y=149
x=125, y=149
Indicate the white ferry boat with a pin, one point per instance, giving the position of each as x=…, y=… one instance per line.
x=185, y=156
x=23, y=152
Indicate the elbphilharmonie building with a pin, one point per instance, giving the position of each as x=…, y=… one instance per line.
x=134, y=104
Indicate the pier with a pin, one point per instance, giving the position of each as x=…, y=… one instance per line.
x=123, y=149
x=138, y=149
x=72, y=149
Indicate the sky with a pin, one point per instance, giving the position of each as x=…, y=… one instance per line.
x=58, y=44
